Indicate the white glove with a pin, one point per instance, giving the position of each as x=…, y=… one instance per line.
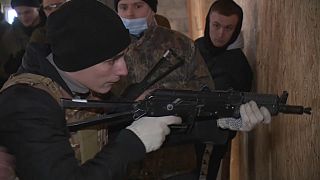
x=250, y=114
x=153, y=130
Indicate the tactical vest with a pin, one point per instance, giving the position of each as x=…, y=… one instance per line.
x=85, y=143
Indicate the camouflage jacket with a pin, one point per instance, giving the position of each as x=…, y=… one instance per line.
x=144, y=53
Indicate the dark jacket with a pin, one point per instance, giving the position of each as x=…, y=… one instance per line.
x=4, y=26
x=33, y=128
x=229, y=69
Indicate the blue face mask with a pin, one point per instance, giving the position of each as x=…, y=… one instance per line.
x=135, y=26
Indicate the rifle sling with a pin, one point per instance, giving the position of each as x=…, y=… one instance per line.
x=148, y=82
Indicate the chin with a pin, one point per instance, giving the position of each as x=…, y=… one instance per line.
x=104, y=90
x=218, y=45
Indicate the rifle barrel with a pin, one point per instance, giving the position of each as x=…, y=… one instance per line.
x=290, y=109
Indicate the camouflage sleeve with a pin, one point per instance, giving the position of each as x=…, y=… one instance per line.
x=145, y=53
x=194, y=75
x=202, y=75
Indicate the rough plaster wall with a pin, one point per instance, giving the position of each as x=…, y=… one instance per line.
x=287, y=54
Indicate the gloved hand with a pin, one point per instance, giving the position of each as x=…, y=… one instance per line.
x=6, y=165
x=153, y=130
x=250, y=114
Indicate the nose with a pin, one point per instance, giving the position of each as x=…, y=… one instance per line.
x=221, y=32
x=130, y=13
x=120, y=67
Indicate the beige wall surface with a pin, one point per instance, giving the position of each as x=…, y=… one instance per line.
x=177, y=13
x=283, y=43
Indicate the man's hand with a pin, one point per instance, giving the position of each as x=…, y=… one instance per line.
x=153, y=130
x=6, y=165
x=251, y=116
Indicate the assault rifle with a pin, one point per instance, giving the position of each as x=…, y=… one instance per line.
x=198, y=109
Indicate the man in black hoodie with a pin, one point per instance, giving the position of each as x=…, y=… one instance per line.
x=229, y=68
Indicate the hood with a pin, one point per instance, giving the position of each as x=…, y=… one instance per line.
x=215, y=50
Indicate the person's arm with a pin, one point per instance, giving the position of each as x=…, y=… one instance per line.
x=192, y=75
x=34, y=131
x=200, y=72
